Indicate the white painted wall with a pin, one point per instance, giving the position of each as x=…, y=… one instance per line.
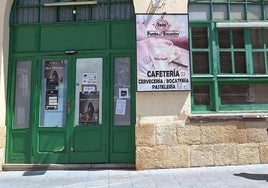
x=164, y=6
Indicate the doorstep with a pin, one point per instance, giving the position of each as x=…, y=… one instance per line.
x=37, y=167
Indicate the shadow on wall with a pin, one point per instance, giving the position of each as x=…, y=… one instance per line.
x=253, y=176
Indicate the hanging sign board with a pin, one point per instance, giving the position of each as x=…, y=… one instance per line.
x=162, y=52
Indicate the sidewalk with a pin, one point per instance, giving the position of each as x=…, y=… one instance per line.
x=247, y=176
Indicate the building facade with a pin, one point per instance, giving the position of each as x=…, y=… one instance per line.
x=73, y=89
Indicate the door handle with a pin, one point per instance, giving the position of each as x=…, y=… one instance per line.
x=68, y=107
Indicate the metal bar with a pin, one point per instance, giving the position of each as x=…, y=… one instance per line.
x=70, y=3
x=241, y=24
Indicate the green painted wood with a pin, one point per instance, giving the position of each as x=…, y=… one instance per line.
x=18, y=140
x=25, y=39
x=89, y=143
x=122, y=35
x=19, y=146
x=122, y=142
x=215, y=78
x=54, y=142
x=73, y=37
x=71, y=144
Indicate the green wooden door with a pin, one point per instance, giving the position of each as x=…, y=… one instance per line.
x=90, y=119
x=81, y=109
x=50, y=134
x=102, y=109
x=48, y=123
x=73, y=124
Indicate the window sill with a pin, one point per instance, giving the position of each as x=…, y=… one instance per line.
x=227, y=117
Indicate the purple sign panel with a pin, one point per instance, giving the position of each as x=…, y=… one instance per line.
x=162, y=53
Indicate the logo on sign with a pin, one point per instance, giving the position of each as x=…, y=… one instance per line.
x=161, y=24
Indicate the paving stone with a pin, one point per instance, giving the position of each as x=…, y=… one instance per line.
x=246, y=176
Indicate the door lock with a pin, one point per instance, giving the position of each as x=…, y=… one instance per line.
x=68, y=107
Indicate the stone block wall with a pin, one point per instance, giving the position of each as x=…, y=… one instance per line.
x=201, y=143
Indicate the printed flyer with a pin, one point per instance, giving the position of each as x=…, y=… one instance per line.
x=162, y=52
x=89, y=97
x=54, y=76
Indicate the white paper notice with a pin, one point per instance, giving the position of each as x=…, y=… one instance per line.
x=120, y=107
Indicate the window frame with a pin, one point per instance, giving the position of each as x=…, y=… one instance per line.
x=245, y=6
x=215, y=78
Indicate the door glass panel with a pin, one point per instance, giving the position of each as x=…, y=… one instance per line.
x=54, y=93
x=88, y=91
x=22, y=94
x=122, y=91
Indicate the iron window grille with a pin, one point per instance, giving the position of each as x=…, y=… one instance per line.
x=34, y=11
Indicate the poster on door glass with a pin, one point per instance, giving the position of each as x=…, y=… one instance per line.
x=53, y=77
x=89, y=97
x=162, y=52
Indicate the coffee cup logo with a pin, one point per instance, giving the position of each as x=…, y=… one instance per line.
x=161, y=25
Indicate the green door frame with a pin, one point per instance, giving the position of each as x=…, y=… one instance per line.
x=105, y=39
x=55, y=148
x=29, y=135
x=99, y=155
x=18, y=140
x=122, y=149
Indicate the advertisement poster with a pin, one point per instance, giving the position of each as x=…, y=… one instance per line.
x=53, y=76
x=89, y=100
x=162, y=52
